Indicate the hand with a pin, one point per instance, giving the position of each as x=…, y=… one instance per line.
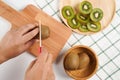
x=17, y=41
x=41, y=68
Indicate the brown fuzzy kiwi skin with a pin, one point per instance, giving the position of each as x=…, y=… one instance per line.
x=84, y=60
x=71, y=61
x=45, y=32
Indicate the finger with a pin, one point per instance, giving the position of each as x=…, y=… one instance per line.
x=51, y=75
x=25, y=29
x=49, y=59
x=28, y=44
x=41, y=60
x=44, y=55
x=30, y=35
x=48, y=63
x=31, y=65
x=48, y=67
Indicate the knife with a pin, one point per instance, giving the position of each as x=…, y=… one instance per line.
x=40, y=45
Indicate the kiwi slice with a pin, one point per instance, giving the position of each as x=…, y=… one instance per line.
x=68, y=12
x=73, y=23
x=85, y=7
x=96, y=15
x=94, y=26
x=82, y=19
x=83, y=28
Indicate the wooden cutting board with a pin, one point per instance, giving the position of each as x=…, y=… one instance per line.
x=59, y=33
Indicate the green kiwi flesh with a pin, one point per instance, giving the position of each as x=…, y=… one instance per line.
x=85, y=7
x=73, y=23
x=96, y=15
x=82, y=19
x=94, y=26
x=83, y=28
x=68, y=12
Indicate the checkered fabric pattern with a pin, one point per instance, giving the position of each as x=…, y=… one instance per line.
x=106, y=43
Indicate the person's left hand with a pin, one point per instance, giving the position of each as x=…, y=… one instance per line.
x=17, y=41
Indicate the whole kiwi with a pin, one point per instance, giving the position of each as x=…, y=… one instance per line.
x=83, y=60
x=45, y=32
x=71, y=61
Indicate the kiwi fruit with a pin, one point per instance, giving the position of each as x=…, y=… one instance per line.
x=73, y=23
x=94, y=26
x=82, y=19
x=83, y=28
x=85, y=18
x=68, y=12
x=85, y=7
x=71, y=61
x=84, y=60
x=45, y=32
x=96, y=15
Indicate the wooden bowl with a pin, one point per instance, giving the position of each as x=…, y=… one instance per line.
x=87, y=72
x=108, y=7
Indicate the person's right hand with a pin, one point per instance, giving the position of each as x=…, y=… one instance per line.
x=17, y=41
x=41, y=68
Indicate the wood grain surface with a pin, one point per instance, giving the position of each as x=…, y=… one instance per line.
x=59, y=33
x=13, y=16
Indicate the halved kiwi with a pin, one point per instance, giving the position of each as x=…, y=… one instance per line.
x=94, y=26
x=83, y=28
x=96, y=14
x=73, y=23
x=82, y=19
x=85, y=7
x=68, y=12
x=71, y=61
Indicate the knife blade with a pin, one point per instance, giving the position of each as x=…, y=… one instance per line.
x=40, y=39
